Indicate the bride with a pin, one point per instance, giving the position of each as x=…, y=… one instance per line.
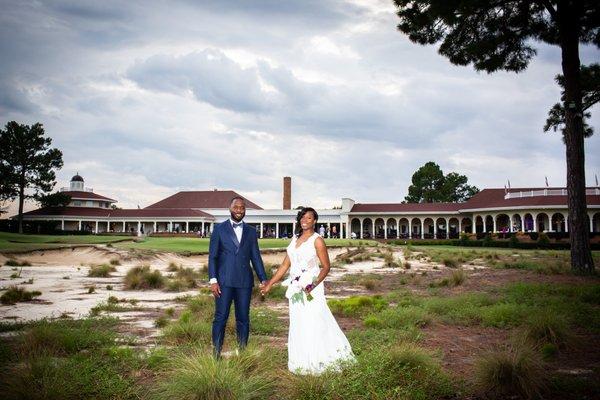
x=315, y=341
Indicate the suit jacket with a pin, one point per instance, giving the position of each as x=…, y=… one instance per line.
x=229, y=261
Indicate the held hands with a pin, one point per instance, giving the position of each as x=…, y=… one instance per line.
x=265, y=287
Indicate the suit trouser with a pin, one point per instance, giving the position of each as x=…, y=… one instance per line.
x=241, y=299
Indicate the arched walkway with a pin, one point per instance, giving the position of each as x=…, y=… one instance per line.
x=403, y=228
x=517, y=224
x=466, y=225
x=441, y=228
x=453, y=229
x=415, y=228
x=489, y=223
x=367, y=232
x=502, y=223
x=558, y=222
x=428, y=228
x=479, y=224
x=543, y=223
x=355, y=227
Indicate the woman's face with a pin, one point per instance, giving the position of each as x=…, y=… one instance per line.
x=307, y=221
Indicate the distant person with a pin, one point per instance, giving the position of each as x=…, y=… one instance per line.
x=322, y=231
x=334, y=232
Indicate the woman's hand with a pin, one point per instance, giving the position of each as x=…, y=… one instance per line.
x=266, y=288
x=309, y=288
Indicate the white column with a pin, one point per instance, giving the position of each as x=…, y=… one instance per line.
x=522, y=222
x=459, y=226
x=79, y=225
x=187, y=226
x=566, y=224
x=591, y=218
x=484, y=218
x=495, y=229
x=473, y=221
x=260, y=235
x=435, y=228
x=277, y=229
x=62, y=224
x=170, y=226
x=422, y=228
x=447, y=227
x=384, y=229
x=361, y=227
x=410, y=228
x=139, y=226
x=107, y=226
x=154, y=226
x=398, y=228
x=202, y=227
x=96, y=226
x=534, y=217
x=123, y=226
x=372, y=228
x=329, y=229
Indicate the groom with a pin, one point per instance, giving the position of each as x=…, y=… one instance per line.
x=233, y=244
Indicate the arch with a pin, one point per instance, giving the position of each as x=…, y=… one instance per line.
x=542, y=222
x=355, y=227
x=479, y=224
x=379, y=228
x=489, y=223
x=528, y=222
x=517, y=224
x=392, y=229
x=558, y=222
x=453, y=228
x=403, y=228
x=428, y=228
x=415, y=228
x=367, y=226
x=596, y=222
x=503, y=223
x=442, y=228
x=466, y=225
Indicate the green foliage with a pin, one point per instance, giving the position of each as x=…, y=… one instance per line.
x=429, y=185
x=101, y=271
x=188, y=329
x=16, y=294
x=141, y=277
x=57, y=199
x=547, y=328
x=356, y=305
x=200, y=376
x=27, y=163
x=514, y=371
x=264, y=321
x=15, y=263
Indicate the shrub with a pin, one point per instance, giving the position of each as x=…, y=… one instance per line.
x=458, y=277
x=173, y=267
x=141, y=277
x=115, y=261
x=15, y=263
x=515, y=371
x=543, y=241
x=16, y=294
x=201, y=376
x=406, y=265
x=101, y=271
x=91, y=289
x=450, y=262
x=356, y=305
x=547, y=328
x=514, y=240
x=188, y=329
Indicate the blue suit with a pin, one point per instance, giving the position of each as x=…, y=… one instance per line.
x=229, y=262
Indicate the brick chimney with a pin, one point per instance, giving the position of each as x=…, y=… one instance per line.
x=287, y=193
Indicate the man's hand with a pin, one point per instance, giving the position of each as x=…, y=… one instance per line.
x=265, y=287
x=215, y=289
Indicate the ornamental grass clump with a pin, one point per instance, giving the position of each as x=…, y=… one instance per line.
x=101, y=271
x=517, y=371
x=16, y=294
x=141, y=278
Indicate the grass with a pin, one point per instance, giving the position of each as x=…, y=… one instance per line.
x=142, y=278
x=26, y=242
x=101, y=271
x=200, y=245
x=357, y=305
x=517, y=371
x=15, y=294
x=188, y=329
x=15, y=263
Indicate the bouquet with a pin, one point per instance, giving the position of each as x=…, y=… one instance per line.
x=298, y=286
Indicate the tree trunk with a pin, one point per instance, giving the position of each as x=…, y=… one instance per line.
x=21, y=201
x=569, y=14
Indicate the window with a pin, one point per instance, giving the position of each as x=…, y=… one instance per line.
x=77, y=203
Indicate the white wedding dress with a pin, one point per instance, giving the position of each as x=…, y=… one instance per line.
x=315, y=341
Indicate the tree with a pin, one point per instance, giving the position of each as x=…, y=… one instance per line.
x=590, y=95
x=26, y=163
x=429, y=185
x=57, y=199
x=500, y=35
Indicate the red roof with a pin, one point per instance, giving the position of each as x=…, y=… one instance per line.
x=75, y=194
x=202, y=199
x=126, y=213
x=406, y=207
x=494, y=198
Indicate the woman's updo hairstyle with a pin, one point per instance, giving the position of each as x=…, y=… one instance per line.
x=301, y=214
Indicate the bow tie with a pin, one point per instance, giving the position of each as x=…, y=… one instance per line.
x=236, y=225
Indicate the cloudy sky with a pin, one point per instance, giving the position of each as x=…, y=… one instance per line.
x=146, y=98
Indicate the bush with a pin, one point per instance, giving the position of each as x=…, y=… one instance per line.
x=547, y=328
x=101, y=271
x=543, y=241
x=515, y=371
x=115, y=261
x=450, y=262
x=16, y=294
x=14, y=263
x=514, y=241
x=356, y=305
x=188, y=329
x=458, y=277
x=141, y=277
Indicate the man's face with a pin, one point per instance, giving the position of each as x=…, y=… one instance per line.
x=237, y=209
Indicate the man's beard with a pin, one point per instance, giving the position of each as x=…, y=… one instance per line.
x=235, y=219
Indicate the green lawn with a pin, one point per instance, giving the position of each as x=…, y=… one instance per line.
x=23, y=242
x=197, y=245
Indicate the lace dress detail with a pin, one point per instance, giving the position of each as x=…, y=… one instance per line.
x=315, y=340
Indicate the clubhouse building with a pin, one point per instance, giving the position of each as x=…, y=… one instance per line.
x=491, y=210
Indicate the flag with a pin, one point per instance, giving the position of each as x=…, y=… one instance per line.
x=546, y=181
x=596, y=175
x=509, y=184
